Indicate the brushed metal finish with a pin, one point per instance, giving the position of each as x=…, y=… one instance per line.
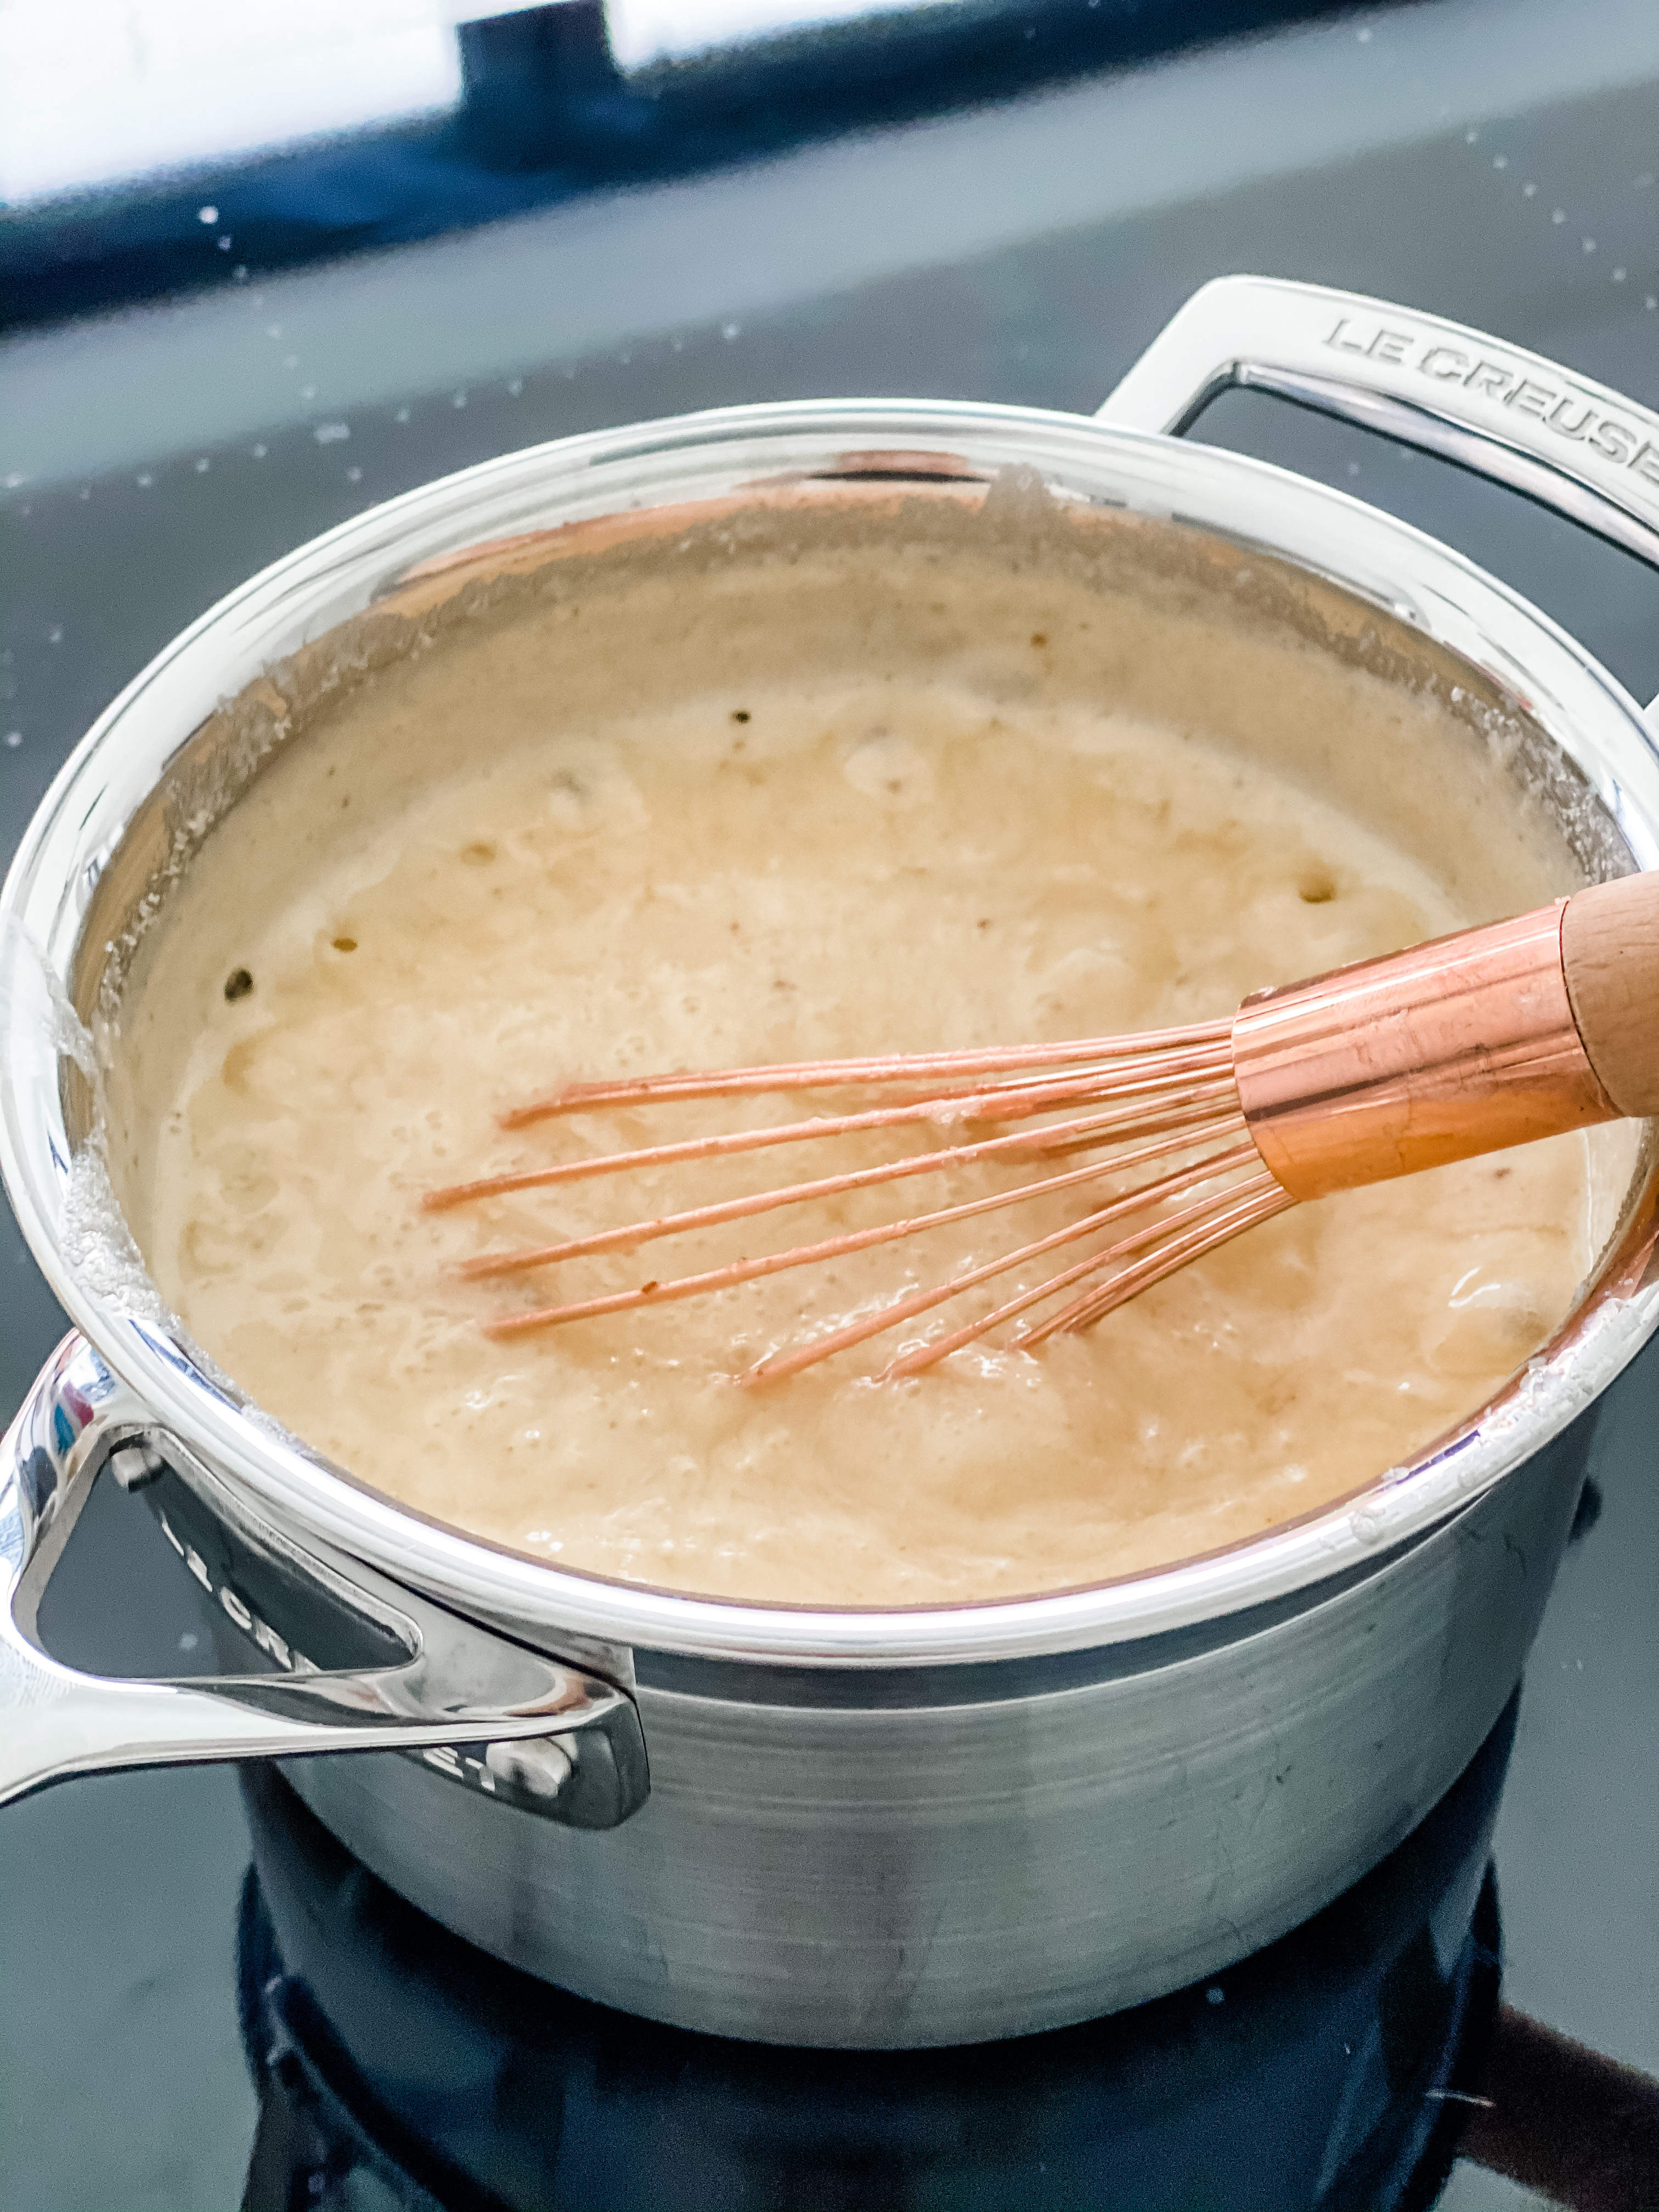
x=1437, y=1053
x=932, y=1873
x=892, y=1827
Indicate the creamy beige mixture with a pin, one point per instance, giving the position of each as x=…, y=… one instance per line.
x=772, y=871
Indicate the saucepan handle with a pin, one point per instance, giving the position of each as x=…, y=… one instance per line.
x=489, y=1713
x=1571, y=445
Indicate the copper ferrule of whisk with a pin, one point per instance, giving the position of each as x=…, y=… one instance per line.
x=1456, y=1048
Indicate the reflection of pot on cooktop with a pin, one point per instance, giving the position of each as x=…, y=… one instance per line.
x=1335, y=2069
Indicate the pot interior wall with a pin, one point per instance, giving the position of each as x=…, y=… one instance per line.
x=1158, y=618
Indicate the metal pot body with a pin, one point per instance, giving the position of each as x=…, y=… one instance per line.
x=895, y=1861
x=817, y=1827
x=1322, y=2074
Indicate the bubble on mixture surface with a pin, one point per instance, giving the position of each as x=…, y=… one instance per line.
x=591, y=791
x=892, y=769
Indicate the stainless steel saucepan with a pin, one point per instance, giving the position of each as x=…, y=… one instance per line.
x=879, y=1827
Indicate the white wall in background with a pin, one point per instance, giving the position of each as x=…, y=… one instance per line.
x=96, y=91
x=567, y=282
x=91, y=91
x=643, y=31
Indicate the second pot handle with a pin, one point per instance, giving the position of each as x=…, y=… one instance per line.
x=494, y=1715
x=1573, y=446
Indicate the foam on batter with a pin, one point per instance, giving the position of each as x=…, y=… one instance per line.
x=486, y=872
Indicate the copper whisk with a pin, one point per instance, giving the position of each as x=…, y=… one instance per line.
x=1489, y=1038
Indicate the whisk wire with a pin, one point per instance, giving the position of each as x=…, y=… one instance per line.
x=774, y=1367
x=1257, y=1200
x=841, y=1075
x=1198, y=1122
x=1159, y=1094
x=836, y=1248
x=1208, y=1080
x=1206, y=1223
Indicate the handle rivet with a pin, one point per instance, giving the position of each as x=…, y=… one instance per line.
x=134, y=1465
x=540, y=1765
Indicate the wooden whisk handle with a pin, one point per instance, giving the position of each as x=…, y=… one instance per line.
x=1495, y=1036
x=1610, y=957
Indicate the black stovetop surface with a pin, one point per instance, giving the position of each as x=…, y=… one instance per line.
x=167, y=2042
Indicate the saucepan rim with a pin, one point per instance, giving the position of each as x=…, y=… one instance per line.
x=1370, y=555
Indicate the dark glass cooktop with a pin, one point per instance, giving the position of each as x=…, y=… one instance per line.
x=203, y=2002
